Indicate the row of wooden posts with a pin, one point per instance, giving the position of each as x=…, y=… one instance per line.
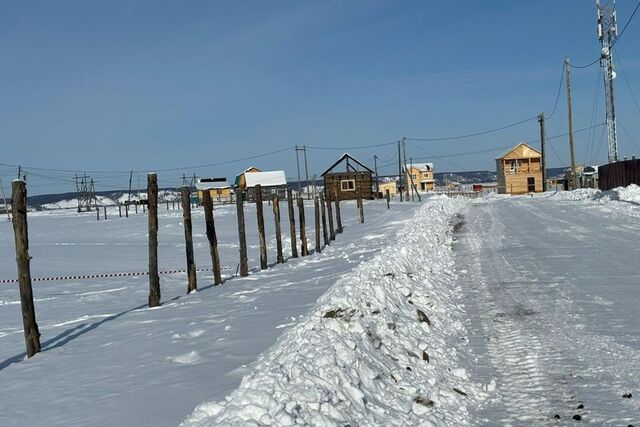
x=126, y=209
x=324, y=219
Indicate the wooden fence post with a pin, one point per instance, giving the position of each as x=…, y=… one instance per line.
x=303, y=231
x=292, y=224
x=105, y=213
x=120, y=210
x=388, y=195
x=332, y=233
x=244, y=263
x=167, y=205
x=144, y=208
x=97, y=213
x=276, y=218
x=188, y=239
x=173, y=205
x=261, y=234
x=316, y=206
x=338, y=216
x=154, y=278
x=361, y=206
x=126, y=211
x=325, y=233
x=207, y=204
x=23, y=260
x=136, y=206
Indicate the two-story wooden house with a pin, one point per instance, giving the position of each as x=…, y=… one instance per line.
x=519, y=171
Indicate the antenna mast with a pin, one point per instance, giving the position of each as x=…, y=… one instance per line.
x=607, y=31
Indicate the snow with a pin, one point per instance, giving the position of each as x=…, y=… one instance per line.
x=109, y=360
x=625, y=194
x=551, y=297
x=505, y=310
x=359, y=357
x=266, y=179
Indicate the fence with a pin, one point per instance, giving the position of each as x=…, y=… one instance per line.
x=322, y=205
x=619, y=174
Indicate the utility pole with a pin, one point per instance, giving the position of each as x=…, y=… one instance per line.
x=306, y=172
x=570, y=114
x=130, y=178
x=375, y=167
x=607, y=30
x=400, y=170
x=543, y=161
x=404, y=163
x=411, y=177
x=298, y=166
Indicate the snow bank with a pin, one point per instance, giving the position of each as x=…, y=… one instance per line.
x=379, y=348
x=630, y=193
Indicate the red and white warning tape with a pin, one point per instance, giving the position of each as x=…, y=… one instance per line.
x=99, y=276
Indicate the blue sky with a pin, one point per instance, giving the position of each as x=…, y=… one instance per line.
x=150, y=85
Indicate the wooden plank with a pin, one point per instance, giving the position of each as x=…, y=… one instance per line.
x=210, y=226
x=154, y=278
x=292, y=224
x=303, y=230
x=276, y=218
x=23, y=260
x=325, y=233
x=244, y=263
x=316, y=206
x=188, y=239
x=261, y=232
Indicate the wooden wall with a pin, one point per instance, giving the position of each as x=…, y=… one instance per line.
x=364, y=182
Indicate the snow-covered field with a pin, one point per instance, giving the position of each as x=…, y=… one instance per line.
x=497, y=311
x=108, y=360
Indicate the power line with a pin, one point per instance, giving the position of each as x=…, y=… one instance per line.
x=626, y=80
x=632, y=139
x=614, y=42
x=469, y=135
x=353, y=147
x=555, y=104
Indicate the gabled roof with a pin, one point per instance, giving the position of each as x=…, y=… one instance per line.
x=252, y=169
x=265, y=179
x=521, y=151
x=349, y=159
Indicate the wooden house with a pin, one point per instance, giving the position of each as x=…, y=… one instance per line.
x=271, y=182
x=346, y=177
x=519, y=171
x=219, y=189
x=421, y=175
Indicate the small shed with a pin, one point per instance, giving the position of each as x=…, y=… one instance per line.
x=346, y=177
x=219, y=189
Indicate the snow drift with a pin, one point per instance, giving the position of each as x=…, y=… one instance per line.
x=379, y=348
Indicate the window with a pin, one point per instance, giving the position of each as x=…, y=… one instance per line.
x=414, y=176
x=348, y=184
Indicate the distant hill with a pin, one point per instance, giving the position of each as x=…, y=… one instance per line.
x=69, y=200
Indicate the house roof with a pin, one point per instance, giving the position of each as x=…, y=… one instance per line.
x=521, y=151
x=209, y=183
x=265, y=179
x=346, y=157
x=423, y=167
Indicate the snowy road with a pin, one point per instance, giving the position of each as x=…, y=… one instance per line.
x=552, y=290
